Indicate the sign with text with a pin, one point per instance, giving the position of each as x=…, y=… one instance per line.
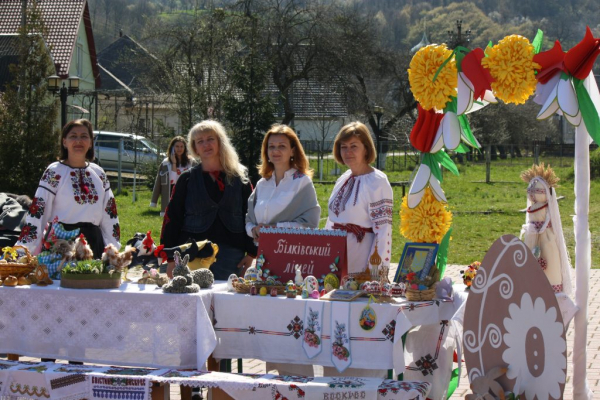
x=315, y=252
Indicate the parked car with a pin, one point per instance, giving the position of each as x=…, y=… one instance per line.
x=135, y=152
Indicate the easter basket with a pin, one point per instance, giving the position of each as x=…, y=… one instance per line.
x=18, y=269
x=245, y=287
x=420, y=295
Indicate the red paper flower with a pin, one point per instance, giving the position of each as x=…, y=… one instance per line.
x=552, y=62
x=425, y=129
x=410, y=276
x=480, y=77
x=580, y=59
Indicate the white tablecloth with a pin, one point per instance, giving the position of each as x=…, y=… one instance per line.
x=135, y=325
x=272, y=329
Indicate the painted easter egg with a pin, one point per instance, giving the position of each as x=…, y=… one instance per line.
x=232, y=278
x=512, y=319
x=251, y=274
x=311, y=283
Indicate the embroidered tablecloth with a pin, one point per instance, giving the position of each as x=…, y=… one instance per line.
x=49, y=381
x=135, y=325
x=273, y=329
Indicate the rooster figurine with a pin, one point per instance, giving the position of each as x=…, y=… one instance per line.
x=82, y=249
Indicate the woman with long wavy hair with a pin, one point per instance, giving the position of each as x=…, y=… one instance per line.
x=209, y=201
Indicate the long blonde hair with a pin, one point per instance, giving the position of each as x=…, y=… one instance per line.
x=228, y=157
x=300, y=161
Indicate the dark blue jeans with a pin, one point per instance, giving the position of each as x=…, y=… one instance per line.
x=227, y=260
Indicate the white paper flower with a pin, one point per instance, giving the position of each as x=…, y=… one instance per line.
x=465, y=101
x=558, y=96
x=535, y=353
x=422, y=179
x=448, y=133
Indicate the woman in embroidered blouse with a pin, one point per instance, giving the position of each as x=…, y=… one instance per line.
x=362, y=199
x=285, y=195
x=210, y=201
x=169, y=171
x=76, y=193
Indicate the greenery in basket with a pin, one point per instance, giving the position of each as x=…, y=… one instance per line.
x=88, y=267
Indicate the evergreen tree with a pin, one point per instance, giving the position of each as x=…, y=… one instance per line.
x=249, y=111
x=28, y=140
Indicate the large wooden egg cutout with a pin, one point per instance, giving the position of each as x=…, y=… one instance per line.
x=512, y=319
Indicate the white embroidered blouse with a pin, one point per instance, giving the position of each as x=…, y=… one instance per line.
x=71, y=195
x=366, y=201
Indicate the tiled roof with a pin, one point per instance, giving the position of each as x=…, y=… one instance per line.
x=62, y=19
x=126, y=60
x=9, y=54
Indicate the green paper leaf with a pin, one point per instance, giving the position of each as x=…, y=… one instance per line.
x=537, y=41
x=588, y=110
x=462, y=148
x=452, y=105
x=443, y=158
x=430, y=160
x=453, y=382
x=442, y=256
x=466, y=130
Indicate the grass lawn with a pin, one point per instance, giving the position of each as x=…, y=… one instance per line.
x=482, y=212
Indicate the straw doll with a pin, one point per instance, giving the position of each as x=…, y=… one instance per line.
x=542, y=231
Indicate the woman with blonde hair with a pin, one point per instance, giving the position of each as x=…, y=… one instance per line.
x=285, y=195
x=177, y=162
x=209, y=201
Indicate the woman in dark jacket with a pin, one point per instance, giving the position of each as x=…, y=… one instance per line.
x=210, y=202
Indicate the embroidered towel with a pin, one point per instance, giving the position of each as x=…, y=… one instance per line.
x=313, y=317
x=341, y=355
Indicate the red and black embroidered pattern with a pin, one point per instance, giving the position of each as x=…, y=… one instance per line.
x=111, y=208
x=104, y=180
x=297, y=175
x=84, y=191
x=382, y=211
x=51, y=177
x=28, y=233
x=117, y=231
x=37, y=207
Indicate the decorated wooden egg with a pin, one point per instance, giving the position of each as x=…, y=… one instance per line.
x=251, y=274
x=263, y=291
x=386, y=289
x=512, y=319
x=398, y=289
x=315, y=294
x=230, y=281
x=311, y=283
x=374, y=288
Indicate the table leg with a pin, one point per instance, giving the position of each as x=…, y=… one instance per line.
x=12, y=357
x=186, y=392
x=160, y=391
x=212, y=364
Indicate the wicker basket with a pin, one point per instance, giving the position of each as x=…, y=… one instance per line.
x=245, y=288
x=90, y=281
x=420, y=295
x=18, y=269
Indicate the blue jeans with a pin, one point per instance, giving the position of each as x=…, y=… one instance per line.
x=228, y=258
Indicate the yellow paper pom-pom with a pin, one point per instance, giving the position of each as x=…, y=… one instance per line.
x=423, y=67
x=426, y=223
x=511, y=65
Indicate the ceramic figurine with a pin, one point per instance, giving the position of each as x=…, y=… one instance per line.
x=542, y=231
x=298, y=278
x=314, y=294
x=304, y=293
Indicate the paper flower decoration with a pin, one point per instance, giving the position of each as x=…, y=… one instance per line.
x=426, y=223
x=561, y=88
x=511, y=65
x=425, y=64
x=474, y=83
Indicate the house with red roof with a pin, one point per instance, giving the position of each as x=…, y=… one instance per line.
x=70, y=40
